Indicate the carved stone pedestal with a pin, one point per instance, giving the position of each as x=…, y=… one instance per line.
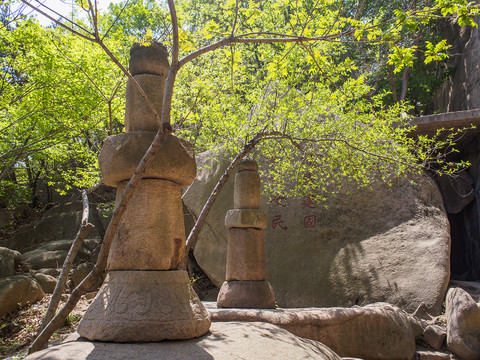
x=145, y=306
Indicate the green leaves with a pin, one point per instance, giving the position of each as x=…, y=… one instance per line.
x=436, y=52
x=402, y=57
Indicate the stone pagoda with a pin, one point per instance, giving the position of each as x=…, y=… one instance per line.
x=246, y=285
x=145, y=297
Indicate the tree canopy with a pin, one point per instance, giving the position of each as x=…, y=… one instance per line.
x=331, y=85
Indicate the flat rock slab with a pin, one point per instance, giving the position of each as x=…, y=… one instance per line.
x=375, y=332
x=234, y=340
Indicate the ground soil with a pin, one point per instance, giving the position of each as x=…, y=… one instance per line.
x=18, y=329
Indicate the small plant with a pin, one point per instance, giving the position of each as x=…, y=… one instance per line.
x=73, y=319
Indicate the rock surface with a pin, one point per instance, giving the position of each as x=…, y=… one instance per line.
x=145, y=306
x=8, y=262
x=53, y=254
x=47, y=282
x=59, y=222
x=463, y=324
x=18, y=289
x=387, y=244
x=226, y=341
x=377, y=331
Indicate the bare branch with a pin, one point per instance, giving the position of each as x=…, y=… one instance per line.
x=235, y=20
x=59, y=23
x=116, y=19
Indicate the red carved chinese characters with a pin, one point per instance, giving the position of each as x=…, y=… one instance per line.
x=308, y=203
x=309, y=221
x=277, y=222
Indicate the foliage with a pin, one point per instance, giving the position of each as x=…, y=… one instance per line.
x=59, y=99
x=320, y=76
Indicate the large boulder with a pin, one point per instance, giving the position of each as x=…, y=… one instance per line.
x=16, y=291
x=374, y=332
x=463, y=324
x=59, y=222
x=9, y=260
x=47, y=282
x=388, y=243
x=53, y=254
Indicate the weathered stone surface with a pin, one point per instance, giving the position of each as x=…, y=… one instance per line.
x=245, y=255
x=463, y=324
x=138, y=115
x=121, y=154
x=18, y=289
x=434, y=336
x=428, y=354
x=48, y=271
x=246, y=294
x=151, y=235
x=81, y=271
x=7, y=262
x=387, y=244
x=144, y=306
x=247, y=190
x=38, y=259
x=241, y=218
x=53, y=254
x=152, y=59
x=59, y=222
x=46, y=282
x=377, y=331
x=226, y=341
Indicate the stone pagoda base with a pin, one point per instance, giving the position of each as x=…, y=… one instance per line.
x=246, y=294
x=145, y=306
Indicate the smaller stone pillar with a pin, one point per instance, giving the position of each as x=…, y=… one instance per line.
x=246, y=285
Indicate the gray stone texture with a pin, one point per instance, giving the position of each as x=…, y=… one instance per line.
x=18, y=290
x=8, y=261
x=463, y=324
x=81, y=272
x=434, y=336
x=226, y=341
x=58, y=223
x=390, y=243
x=460, y=91
x=46, y=282
x=145, y=306
x=374, y=332
x=52, y=254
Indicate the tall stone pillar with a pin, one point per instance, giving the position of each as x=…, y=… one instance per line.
x=246, y=285
x=145, y=297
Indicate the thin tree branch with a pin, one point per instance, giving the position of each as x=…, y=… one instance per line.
x=59, y=23
x=85, y=228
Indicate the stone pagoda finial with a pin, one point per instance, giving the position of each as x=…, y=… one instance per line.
x=145, y=297
x=246, y=285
